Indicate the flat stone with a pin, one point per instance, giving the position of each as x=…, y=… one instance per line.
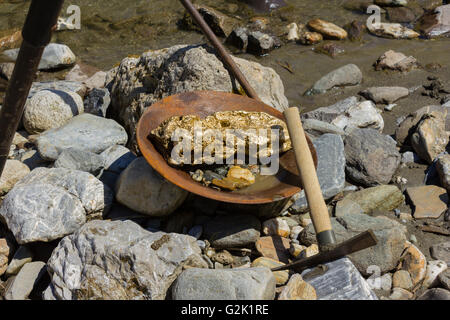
x=274, y=247
x=414, y=261
x=441, y=251
x=348, y=75
x=328, y=114
x=348, y=284
x=85, y=132
x=428, y=201
x=54, y=56
x=80, y=160
x=318, y=128
x=62, y=85
x=142, y=189
x=14, y=171
x=328, y=29
x=372, y=158
x=50, y=203
x=330, y=169
x=443, y=169
x=402, y=279
x=281, y=277
x=434, y=268
x=22, y=256
x=396, y=61
x=232, y=231
x=25, y=281
x=383, y=198
x=97, y=102
x=298, y=289
x=225, y=284
x=106, y=259
x=435, y=294
x=391, y=237
x=386, y=95
x=347, y=206
x=392, y=31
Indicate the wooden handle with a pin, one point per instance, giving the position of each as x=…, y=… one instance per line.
x=310, y=182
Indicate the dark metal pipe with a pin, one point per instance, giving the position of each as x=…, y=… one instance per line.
x=223, y=53
x=37, y=32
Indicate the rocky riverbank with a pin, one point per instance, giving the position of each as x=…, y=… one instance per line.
x=83, y=216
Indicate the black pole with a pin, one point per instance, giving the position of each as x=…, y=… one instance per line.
x=37, y=32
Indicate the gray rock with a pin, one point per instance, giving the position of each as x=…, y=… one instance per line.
x=33, y=160
x=142, y=189
x=443, y=169
x=328, y=114
x=85, y=132
x=157, y=74
x=348, y=75
x=232, y=231
x=81, y=160
x=330, y=169
x=49, y=109
x=386, y=95
x=238, y=38
x=372, y=158
x=435, y=294
x=444, y=279
x=342, y=281
x=22, y=256
x=391, y=237
x=55, y=56
x=317, y=127
x=261, y=43
x=410, y=157
x=362, y=115
x=97, y=102
x=119, y=260
x=441, y=251
x=25, y=281
x=225, y=284
x=50, y=203
x=117, y=158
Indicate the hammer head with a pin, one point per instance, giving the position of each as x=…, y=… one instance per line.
x=334, y=252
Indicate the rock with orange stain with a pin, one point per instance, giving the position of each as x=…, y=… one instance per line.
x=274, y=247
x=413, y=261
x=276, y=227
x=11, y=41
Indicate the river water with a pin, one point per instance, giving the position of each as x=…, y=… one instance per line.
x=114, y=29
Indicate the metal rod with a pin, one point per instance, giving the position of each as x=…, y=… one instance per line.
x=226, y=58
x=37, y=31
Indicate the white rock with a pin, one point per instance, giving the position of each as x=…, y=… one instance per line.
x=276, y=227
x=392, y=30
x=292, y=32
x=25, y=281
x=362, y=115
x=50, y=109
x=434, y=268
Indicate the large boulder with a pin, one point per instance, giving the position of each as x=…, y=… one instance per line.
x=49, y=204
x=84, y=132
x=226, y=284
x=50, y=109
x=119, y=260
x=160, y=73
x=385, y=255
x=372, y=158
x=144, y=190
x=330, y=169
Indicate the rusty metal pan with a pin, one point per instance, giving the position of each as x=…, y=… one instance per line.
x=266, y=189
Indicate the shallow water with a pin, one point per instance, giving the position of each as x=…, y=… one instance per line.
x=113, y=29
